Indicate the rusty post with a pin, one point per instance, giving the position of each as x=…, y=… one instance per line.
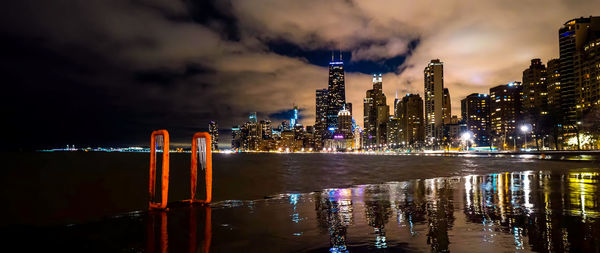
x=194, y=167
x=165, y=170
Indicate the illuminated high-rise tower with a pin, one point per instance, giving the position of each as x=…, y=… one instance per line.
x=376, y=114
x=475, y=110
x=321, y=102
x=573, y=38
x=447, y=107
x=213, y=130
x=336, y=93
x=434, y=100
x=294, y=118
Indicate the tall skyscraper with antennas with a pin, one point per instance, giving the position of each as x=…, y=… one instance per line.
x=337, y=94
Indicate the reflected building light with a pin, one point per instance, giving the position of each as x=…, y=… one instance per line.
x=468, y=188
x=501, y=195
x=518, y=235
x=527, y=191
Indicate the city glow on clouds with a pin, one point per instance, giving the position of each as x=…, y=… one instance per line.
x=482, y=44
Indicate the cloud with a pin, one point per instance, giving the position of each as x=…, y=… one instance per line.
x=179, y=64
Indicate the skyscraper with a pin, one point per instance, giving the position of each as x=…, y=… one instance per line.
x=553, y=88
x=294, y=118
x=236, y=138
x=266, y=129
x=447, y=107
x=476, y=111
x=535, y=94
x=322, y=99
x=589, y=97
x=376, y=113
x=505, y=108
x=213, y=130
x=252, y=118
x=434, y=100
x=573, y=37
x=344, y=124
x=336, y=93
x=410, y=112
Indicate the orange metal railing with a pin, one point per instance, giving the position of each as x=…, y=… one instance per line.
x=205, y=153
x=165, y=170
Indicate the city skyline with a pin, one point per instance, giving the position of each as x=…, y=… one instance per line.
x=220, y=61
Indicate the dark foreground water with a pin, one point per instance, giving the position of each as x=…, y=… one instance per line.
x=318, y=202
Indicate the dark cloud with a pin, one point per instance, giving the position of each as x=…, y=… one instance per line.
x=110, y=71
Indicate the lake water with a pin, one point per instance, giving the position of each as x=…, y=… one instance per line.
x=315, y=202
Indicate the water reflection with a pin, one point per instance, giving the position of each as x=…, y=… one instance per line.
x=538, y=211
x=334, y=215
x=520, y=211
x=157, y=233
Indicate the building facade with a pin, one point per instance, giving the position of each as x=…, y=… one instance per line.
x=376, y=114
x=475, y=110
x=505, y=110
x=412, y=125
x=336, y=95
x=573, y=37
x=434, y=100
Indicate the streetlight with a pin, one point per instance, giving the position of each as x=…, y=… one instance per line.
x=466, y=137
x=514, y=143
x=525, y=129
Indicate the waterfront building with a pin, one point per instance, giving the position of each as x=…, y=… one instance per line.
x=446, y=107
x=336, y=94
x=266, y=129
x=553, y=88
x=294, y=118
x=376, y=113
x=589, y=96
x=344, y=124
x=573, y=37
x=452, y=132
x=535, y=92
x=412, y=126
x=253, y=118
x=236, y=137
x=475, y=110
x=213, y=130
x=394, y=132
x=322, y=99
x=434, y=100
x=505, y=110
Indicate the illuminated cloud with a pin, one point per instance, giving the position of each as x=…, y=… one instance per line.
x=179, y=64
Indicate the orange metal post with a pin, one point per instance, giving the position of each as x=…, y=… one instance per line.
x=165, y=170
x=194, y=167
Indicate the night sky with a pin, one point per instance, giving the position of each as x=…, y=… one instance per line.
x=108, y=72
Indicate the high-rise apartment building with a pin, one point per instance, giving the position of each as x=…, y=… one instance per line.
x=476, y=112
x=213, y=130
x=434, y=100
x=573, y=37
x=446, y=107
x=344, y=124
x=535, y=94
x=266, y=129
x=589, y=96
x=376, y=113
x=322, y=101
x=505, y=109
x=410, y=112
x=553, y=88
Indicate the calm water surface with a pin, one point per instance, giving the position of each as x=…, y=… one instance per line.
x=318, y=202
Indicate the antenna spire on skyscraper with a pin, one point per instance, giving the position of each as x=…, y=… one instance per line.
x=341, y=54
x=332, y=55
